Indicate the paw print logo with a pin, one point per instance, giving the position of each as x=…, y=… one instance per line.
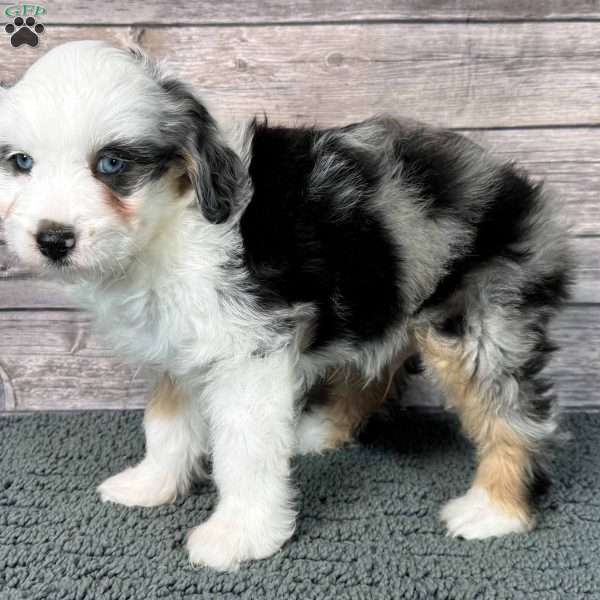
x=24, y=32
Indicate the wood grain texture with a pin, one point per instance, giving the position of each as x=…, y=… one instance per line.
x=587, y=283
x=275, y=11
x=33, y=294
x=458, y=75
x=51, y=361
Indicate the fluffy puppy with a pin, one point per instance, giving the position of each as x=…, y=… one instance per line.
x=244, y=268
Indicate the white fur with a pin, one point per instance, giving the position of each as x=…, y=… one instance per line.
x=251, y=412
x=314, y=432
x=175, y=447
x=475, y=516
x=56, y=129
x=146, y=484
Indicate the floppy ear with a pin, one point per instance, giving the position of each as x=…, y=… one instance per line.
x=216, y=175
x=215, y=170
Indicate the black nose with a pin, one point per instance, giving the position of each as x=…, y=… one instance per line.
x=55, y=240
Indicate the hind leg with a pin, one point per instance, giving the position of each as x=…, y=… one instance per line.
x=490, y=380
x=347, y=404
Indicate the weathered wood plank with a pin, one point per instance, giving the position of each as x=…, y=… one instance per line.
x=50, y=361
x=459, y=75
x=53, y=363
x=33, y=294
x=275, y=11
x=19, y=291
x=587, y=283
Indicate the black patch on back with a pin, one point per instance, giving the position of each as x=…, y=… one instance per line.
x=300, y=245
x=432, y=164
x=500, y=226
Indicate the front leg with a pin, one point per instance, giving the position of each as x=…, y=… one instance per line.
x=175, y=445
x=251, y=414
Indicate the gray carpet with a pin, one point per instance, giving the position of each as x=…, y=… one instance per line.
x=367, y=527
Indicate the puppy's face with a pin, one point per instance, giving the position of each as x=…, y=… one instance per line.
x=97, y=153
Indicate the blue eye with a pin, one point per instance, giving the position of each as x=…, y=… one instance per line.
x=24, y=162
x=111, y=166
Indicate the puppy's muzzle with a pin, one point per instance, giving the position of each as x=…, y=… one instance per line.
x=55, y=240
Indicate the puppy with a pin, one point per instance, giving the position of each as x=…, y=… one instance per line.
x=243, y=268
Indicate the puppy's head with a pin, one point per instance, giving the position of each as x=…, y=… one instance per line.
x=98, y=150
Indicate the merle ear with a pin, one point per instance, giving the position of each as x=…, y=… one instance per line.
x=216, y=178
x=215, y=171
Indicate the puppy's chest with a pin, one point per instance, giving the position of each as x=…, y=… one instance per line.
x=170, y=331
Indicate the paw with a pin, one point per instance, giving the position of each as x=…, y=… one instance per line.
x=223, y=541
x=142, y=485
x=474, y=516
x=316, y=433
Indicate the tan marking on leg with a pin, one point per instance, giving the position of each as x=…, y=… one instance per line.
x=502, y=471
x=504, y=457
x=166, y=400
x=350, y=400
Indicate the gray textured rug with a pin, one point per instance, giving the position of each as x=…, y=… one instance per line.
x=367, y=527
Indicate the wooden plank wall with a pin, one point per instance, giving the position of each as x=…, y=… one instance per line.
x=520, y=77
